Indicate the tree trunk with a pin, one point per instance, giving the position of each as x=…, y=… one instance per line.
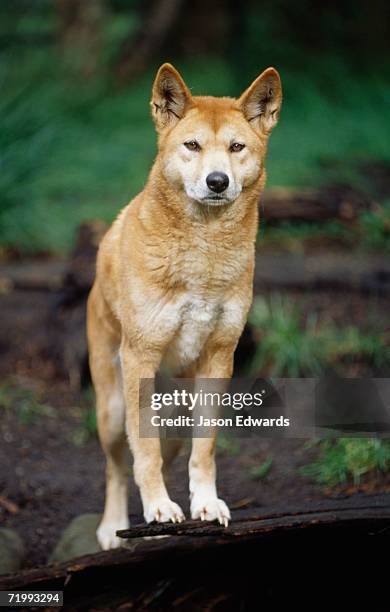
x=137, y=51
x=80, y=35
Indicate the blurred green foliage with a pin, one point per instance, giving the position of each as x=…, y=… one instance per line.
x=375, y=228
x=345, y=459
x=72, y=149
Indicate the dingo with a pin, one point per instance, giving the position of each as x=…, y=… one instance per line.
x=174, y=282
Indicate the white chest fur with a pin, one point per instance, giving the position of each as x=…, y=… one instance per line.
x=196, y=319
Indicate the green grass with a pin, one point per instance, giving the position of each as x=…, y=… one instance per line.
x=347, y=459
x=23, y=402
x=71, y=151
x=290, y=346
x=227, y=445
x=87, y=427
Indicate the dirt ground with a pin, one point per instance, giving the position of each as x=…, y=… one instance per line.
x=50, y=473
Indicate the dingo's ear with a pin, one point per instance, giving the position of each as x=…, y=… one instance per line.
x=261, y=102
x=170, y=97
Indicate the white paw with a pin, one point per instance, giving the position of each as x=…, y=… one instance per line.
x=106, y=534
x=163, y=510
x=209, y=508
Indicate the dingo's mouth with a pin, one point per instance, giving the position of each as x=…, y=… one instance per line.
x=215, y=200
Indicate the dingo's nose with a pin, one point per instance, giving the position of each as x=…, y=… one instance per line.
x=217, y=181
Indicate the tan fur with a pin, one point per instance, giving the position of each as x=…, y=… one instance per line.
x=174, y=283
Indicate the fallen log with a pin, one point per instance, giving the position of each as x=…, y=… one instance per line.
x=323, y=270
x=260, y=521
x=33, y=275
x=203, y=563
x=332, y=202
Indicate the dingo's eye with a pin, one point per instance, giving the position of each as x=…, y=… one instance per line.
x=192, y=145
x=236, y=147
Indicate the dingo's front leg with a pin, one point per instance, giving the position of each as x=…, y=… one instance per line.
x=205, y=504
x=157, y=504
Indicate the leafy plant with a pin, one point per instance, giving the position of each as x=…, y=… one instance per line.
x=284, y=345
x=290, y=346
x=260, y=472
x=347, y=459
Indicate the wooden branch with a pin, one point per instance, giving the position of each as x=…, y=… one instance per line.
x=9, y=505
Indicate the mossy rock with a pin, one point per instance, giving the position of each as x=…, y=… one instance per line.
x=11, y=551
x=78, y=539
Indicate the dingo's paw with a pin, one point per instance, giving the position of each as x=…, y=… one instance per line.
x=163, y=510
x=209, y=508
x=106, y=534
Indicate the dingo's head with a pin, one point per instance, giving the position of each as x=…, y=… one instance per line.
x=213, y=148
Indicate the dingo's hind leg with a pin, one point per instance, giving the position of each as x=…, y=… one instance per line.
x=103, y=342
